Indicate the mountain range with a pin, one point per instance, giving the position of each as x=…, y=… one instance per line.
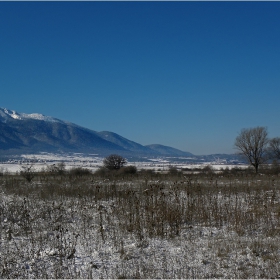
x=32, y=133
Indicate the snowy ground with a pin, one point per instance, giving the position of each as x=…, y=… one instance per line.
x=88, y=228
x=93, y=162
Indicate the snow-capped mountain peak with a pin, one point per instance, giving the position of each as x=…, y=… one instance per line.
x=9, y=113
x=5, y=114
x=36, y=132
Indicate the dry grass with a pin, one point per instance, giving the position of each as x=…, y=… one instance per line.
x=140, y=226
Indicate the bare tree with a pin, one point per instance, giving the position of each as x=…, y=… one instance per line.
x=28, y=172
x=252, y=143
x=114, y=162
x=274, y=148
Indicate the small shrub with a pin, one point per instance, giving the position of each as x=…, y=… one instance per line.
x=173, y=171
x=128, y=170
x=28, y=172
x=56, y=169
x=208, y=169
x=79, y=171
x=102, y=172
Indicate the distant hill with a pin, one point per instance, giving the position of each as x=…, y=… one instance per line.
x=168, y=151
x=32, y=133
x=125, y=143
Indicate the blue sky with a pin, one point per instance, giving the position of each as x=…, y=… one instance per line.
x=189, y=75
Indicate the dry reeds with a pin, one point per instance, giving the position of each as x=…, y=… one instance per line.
x=76, y=226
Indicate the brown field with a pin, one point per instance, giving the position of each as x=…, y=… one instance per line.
x=143, y=225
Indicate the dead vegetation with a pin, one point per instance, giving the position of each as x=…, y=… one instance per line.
x=140, y=225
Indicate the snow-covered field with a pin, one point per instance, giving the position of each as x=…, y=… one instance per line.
x=150, y=227
x=93, y=162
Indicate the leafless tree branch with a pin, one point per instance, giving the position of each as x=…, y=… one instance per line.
x=252, y=143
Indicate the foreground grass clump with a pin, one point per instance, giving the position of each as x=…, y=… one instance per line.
x=140, y=225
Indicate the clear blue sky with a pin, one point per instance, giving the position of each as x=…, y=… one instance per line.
x=189, y=75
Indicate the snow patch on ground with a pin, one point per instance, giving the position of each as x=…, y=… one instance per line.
x=93, y=162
